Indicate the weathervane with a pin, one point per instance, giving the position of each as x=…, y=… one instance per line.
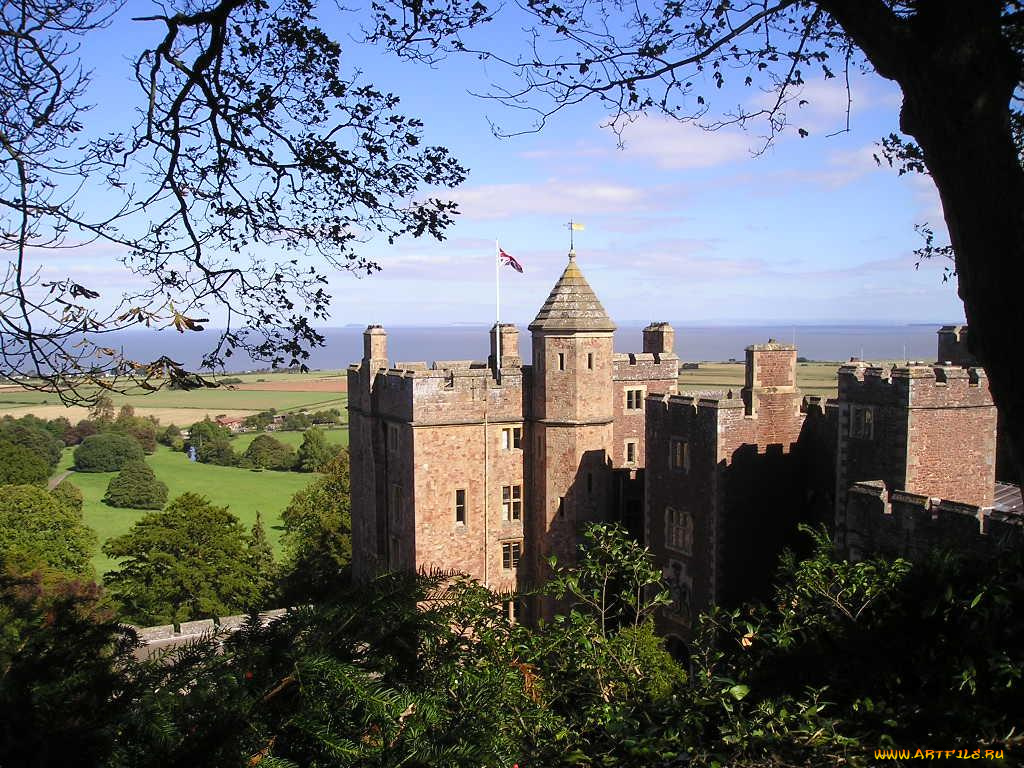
x=573, y=227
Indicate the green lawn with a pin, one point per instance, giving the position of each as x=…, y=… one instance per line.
x=294, y=439
x=245, y=492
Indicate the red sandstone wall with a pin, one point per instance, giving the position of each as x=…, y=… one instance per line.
x=451, y=457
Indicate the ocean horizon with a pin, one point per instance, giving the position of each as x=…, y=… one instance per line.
x=694, y=343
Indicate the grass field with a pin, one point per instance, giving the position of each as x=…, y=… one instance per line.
x=243, y=491
x=294, y=439
x=812, y=378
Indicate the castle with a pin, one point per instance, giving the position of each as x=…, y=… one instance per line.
x=490, y=468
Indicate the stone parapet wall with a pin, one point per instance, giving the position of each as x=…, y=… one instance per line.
x=899, y=523
x=169, y=636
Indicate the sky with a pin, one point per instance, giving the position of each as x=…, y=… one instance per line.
x=680, y=224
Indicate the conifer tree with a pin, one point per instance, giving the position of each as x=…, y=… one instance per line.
x=261, y=557
x=136, y=487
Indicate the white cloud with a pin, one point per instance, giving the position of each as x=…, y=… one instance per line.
x=550, y=197
x=675, y=145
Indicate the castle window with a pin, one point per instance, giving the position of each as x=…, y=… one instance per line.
x=862, y=422
x=561, y=506
x=396, y=502
x=510, y=554
x=512, y=502
x=679, y=530
x=393, y=437
x=511, y=437
x=590, y=360
x=460, y=506
x=561, y=361
x=634, y=399
x=632, y=447
x=679, y=455
x=590, y=482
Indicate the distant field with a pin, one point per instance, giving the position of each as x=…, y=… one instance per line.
x=812, y=378
x=245, y=492
x=258, y=392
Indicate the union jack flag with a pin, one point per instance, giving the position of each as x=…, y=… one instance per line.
x=509, y=260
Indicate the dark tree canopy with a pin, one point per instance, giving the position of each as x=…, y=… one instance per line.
x=21, y=466
x=107, y=452
x=253, y=136
x=266, y=452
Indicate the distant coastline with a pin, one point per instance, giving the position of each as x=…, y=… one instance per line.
x=835, y=342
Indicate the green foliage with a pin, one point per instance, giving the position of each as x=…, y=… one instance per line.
x=64, y=665
x=261, y=557
x=318, y=534
x=188, y=561
x=37, y=531
x=212, y=443
x=69, y=496
x=267, y=453
x=142, y=429
x=136, y=487
x=261, y=420
x=106, y=452
x=76, y=434
x=315, y=452
x=297, y=422
x=20, y=465
x=29, y=432
x=329, y=416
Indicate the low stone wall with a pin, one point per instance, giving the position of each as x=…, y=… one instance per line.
x=156, y=640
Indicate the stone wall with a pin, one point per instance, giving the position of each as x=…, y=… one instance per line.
x=894, y=522
x=169, y=636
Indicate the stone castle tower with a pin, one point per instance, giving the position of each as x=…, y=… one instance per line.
x=490, y=468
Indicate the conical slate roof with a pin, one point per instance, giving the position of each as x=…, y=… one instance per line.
x=572, y=305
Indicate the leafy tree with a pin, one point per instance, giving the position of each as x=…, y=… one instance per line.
x=38, y=531
x=958, y=65
x=315, y=451
x=188, y=561
x=212, y=443
x=82, y=430
x=101, y=409
x=266, y=452
x=136, y=487
x=107, y=452
x=318, y=534
x=69, y=496
x=171, y=437
x=260, y=420
x=20, y=465
x=30, y=434
x=329, y=416
x=142, y=429
x=251, y=130
x=297, y=422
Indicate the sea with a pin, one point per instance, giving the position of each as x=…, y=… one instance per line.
x=694, y=343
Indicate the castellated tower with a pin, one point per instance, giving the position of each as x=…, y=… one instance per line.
x=572, y=417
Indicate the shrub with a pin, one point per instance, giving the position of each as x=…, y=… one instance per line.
x=231, y=380
x=21, y=466
x=107, y=452
x=267, y=452
x=136, y=487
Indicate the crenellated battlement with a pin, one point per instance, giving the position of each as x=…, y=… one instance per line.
x=897, y=522
x=913, y=385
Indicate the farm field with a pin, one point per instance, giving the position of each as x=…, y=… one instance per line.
x=258, y=392
x=245, y=492
x=813, y=378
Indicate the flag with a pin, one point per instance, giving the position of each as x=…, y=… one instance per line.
x=575, y=226
x=509, y=260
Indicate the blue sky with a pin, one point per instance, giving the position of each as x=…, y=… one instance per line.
x=681, y=224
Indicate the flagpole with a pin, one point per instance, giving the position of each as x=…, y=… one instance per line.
x=497, y=310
